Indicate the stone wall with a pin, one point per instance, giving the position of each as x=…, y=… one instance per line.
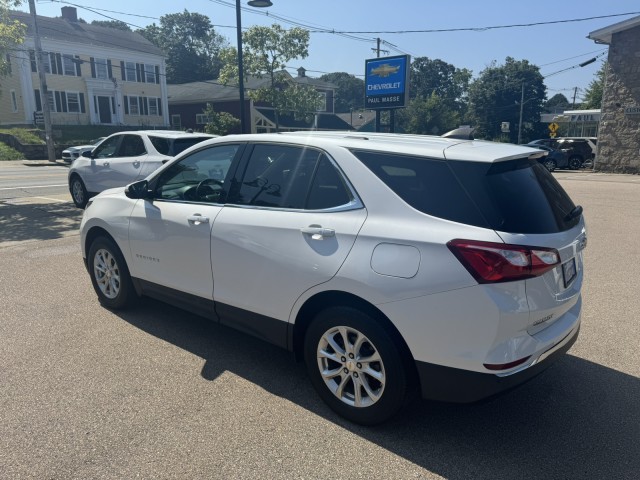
x=619, y=135
x=30, y=152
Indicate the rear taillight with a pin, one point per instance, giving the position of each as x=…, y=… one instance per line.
x=491, y=262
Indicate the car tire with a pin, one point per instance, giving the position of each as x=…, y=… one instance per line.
x=550, y=164
x=337, y=342
x=78, y=191
x=575, y=162
x=109, y=274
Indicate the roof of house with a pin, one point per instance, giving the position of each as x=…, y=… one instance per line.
x=604, y=35
x=322, y=121
x=212, y=90
x=85, y=33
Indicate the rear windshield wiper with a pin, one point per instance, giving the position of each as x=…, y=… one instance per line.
x=576, y=212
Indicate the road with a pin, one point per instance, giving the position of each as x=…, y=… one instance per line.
x=158, y=393
x=38, y=180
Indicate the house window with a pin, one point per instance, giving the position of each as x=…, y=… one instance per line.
x=14, y=101
x=69, y=65
x=52, y=102
x=73, y=102
x=323, y=102
x=46, y=61
x=153, y=106
x=130, y=71
x=133, y=106
x=149, y=73
x=202, y=119
x=101, y=68
x=176, y=121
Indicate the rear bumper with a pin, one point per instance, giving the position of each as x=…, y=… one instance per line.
x=463, y=386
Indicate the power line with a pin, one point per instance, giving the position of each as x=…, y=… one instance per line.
x=482, y=29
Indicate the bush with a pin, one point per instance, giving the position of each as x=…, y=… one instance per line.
x=8, y=153
x=24, y=136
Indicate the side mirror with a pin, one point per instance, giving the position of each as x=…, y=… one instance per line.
x=87, y=154
x=138, y=190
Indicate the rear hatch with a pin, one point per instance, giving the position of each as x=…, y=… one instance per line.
x=525, y=205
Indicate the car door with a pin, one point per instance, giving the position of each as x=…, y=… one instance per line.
x=289, y=223
x=122, y=167
x=170, y=235
x=92, y=170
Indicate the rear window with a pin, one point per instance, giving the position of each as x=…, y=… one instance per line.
x=181, y=144
x=516, y=196
x=172, y=147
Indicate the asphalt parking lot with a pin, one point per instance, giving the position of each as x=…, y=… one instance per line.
x=155, y=392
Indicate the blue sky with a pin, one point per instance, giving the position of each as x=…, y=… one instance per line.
x=552, y=47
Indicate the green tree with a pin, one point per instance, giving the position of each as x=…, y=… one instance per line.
x=266, y=52
x=11, y=33
x=219, y=123
x=450, y=84
x=191, y=44
x=557, y=103
x=428, y=116
x=349, y=93
x=495, y=96
x=117, y=24
x=593, y=95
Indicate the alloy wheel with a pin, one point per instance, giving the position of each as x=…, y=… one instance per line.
x=107, y=273
x=351, y=366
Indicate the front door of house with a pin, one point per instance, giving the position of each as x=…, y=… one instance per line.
x=104, y=109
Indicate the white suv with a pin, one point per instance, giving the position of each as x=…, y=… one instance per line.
x=123, y=158
x=390, y=263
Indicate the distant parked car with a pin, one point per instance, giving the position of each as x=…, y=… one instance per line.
x=71, y=153
x=553, y=159
x=125, y=157
x=579, y=150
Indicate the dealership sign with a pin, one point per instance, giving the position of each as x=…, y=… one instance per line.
x=387, y=82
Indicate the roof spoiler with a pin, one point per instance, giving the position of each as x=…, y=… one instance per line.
x=461, y=133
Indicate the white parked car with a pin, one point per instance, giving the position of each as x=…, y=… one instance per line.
x=390, y=264
x=71, y=153
x=125, y=157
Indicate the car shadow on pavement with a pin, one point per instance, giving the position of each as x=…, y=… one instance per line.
x=577, y=420
x=25, y=222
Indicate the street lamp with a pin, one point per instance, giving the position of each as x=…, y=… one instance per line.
x=257, y=4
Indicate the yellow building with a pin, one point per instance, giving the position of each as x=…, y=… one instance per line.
x=95, y=76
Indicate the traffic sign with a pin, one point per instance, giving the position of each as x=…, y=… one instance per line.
x=552, y=135
x=553, y=127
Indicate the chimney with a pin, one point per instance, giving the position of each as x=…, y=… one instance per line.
x=70, y=14
x=302, y=72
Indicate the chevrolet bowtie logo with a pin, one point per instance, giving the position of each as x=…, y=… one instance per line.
x=384, y=70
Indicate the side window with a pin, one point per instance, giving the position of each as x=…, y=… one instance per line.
x=277, y=176
x=198, y=177
x=428, y=185
x=107, y=148
x=328, y=189
x=132, y=146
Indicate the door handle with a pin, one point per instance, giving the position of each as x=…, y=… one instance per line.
x=136, y=164
x=197, y=219
x=106, y=164
x=317, y=232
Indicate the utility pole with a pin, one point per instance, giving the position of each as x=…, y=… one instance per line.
x=44, y=92
x=520, y=122
x=575, y=92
